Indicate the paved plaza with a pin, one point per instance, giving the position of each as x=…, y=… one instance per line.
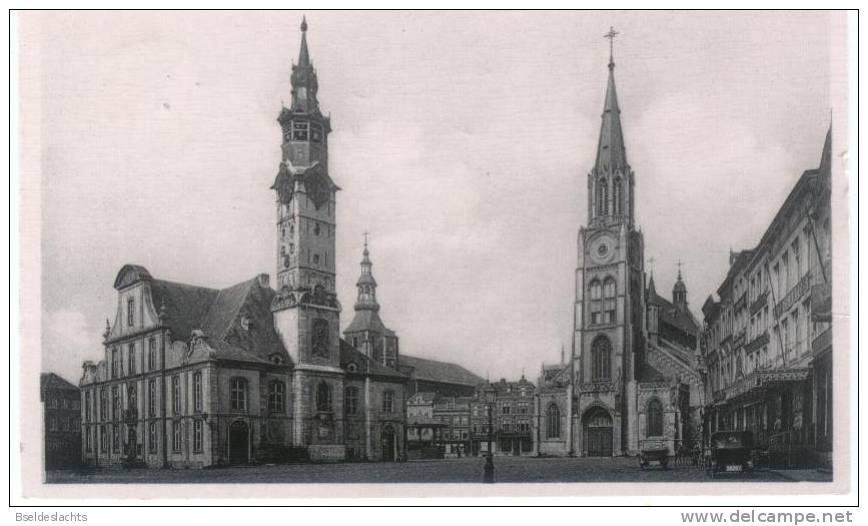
x=465, y=470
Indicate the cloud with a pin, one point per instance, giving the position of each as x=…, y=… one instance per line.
x=67, y=340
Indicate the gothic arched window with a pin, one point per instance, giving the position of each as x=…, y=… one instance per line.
x=553, y=421
x=323, y=397
x=601, y=356
x=609, y=292
x=655, y=418
x=602, y=198
x=596, y=293
x=617, y=205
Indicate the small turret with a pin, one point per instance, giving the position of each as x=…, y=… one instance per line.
x=679, y=292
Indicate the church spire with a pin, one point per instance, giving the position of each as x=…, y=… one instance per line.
x=611, y=153
x=367, y=285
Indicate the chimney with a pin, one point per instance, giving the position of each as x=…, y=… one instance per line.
x=263, y=280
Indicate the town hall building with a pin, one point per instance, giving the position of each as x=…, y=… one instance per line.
x=195, y=376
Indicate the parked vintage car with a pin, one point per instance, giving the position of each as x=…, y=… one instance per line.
x=731, y=452
x=653, y=451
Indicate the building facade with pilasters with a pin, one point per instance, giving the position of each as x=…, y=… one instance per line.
x=197, y=376
x=767, y=337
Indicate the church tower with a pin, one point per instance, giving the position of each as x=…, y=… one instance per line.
x=609, y=306
x=367, y=332
x=306, y=309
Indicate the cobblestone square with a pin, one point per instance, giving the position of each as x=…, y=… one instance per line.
x=465, y=470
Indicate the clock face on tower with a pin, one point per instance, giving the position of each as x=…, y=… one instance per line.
x=602, y=249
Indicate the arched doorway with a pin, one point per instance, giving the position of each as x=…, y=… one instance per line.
x=597, y=429
x=239, y=443
x=388, y=444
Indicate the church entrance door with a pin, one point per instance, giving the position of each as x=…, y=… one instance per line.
x=598, y=432
x=388, y=444
x=239, y=443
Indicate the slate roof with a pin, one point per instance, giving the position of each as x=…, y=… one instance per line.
x=504, y=387
x=672, y=315
x=367, y=320
x=185, y=305
x=611, y=152
x=650, y=374
x=218, y=313
x=436, y=371
x=52, y=381
x=350, y=354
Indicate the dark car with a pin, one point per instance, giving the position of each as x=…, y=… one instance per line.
x=731, y=452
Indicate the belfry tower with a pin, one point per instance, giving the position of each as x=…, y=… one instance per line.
x=306, y=309
x=609, y=307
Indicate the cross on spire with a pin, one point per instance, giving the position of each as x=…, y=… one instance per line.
x=366, y=238
x=611, y=36
x=651, y=260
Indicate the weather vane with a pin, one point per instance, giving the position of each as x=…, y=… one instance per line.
x=611, y=36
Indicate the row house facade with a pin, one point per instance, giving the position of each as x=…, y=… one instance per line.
x=767, y=336
x=61, y=408
x=512, y=418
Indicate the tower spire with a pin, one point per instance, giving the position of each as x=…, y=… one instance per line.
x=679, y=291
x=367, y=285
x=304, y=81
x=303, y=53
x=611, y=153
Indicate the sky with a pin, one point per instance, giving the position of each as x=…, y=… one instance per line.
x=461, y=141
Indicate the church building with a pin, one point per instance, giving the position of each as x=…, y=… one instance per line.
x=631, y=378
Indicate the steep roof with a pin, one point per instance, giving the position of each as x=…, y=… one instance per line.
x=436, y=371
x=184, y=305
x=365, y=365
x=52, y=381
x=611, y=152
x=366, y=320
x=236, y=322
x=672, y=315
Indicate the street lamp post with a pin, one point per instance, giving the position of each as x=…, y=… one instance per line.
x=488, y=475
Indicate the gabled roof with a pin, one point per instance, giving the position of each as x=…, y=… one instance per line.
x=365, y=365
x=680, y=319
x=50, y=381
x=236, y=322
x=436, y=371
